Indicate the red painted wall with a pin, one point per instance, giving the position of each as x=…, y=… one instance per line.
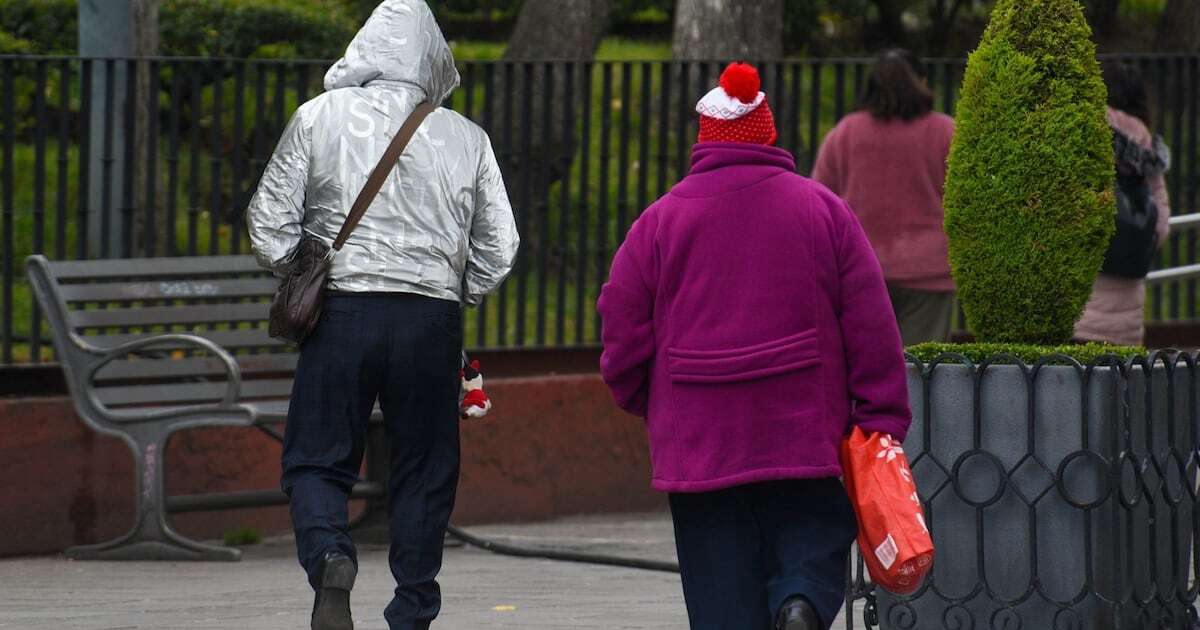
x=552, y=446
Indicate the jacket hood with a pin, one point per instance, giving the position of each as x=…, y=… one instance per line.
x=400, y=43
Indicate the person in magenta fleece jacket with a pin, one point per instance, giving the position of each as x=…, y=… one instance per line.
x=747, y=319
x=888, y=161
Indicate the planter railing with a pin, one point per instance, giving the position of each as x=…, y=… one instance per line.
x=1060, y=496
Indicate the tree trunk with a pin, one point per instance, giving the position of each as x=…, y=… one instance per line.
x=1179, y=30
x=558, y=30
x=145, y=44
x=943, y=15
x=728, y=30
x=889, y=30
x=538, y=153
x=1105, y=18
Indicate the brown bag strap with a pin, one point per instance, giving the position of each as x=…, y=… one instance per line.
x=380, y=174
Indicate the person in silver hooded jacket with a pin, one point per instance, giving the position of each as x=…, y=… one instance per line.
x=440, y=234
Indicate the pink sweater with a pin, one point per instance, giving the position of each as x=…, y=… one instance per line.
x=892, y=174
x=1117, y=307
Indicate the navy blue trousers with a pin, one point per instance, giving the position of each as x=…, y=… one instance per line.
x=745, y=550
x=404, y=351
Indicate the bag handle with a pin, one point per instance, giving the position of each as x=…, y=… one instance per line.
x=380, y=174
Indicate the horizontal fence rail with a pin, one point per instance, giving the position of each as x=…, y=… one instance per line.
x=103, y=158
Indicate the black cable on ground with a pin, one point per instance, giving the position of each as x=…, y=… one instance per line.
x=562, y=555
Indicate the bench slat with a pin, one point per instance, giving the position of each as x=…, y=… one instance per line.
x=176, y=393
x=169, y=289
x=250, y=364
x=181, y=314
x=228, y=339
x=190, y=266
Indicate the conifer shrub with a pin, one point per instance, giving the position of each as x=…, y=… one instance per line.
x=1029, y=194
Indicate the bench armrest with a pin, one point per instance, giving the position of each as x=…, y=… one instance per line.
x=233, y=389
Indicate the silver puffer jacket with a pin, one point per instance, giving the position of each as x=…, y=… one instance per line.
x=442, y=225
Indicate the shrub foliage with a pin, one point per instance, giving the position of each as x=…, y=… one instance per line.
x=218, y=28
x=1029, y=200
x=1085, y=353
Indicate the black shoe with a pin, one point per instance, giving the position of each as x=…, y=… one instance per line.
x=797, y=614
x=331, y=610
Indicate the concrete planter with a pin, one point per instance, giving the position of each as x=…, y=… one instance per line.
x=1059, y=496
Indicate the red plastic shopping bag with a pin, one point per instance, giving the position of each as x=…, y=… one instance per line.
x=892, y=533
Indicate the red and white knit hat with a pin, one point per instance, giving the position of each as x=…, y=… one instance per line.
x=737, y=111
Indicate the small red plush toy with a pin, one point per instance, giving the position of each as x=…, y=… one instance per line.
x=475, y=403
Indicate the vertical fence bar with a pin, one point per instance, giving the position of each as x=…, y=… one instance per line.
x=173, y=159
x=7, y=180
x=564, y=202
x=787, y=107
x=797, y=112
x=839, y=90
x=468, y=85
x=814, y=114
x=623, y=152
x=685, y=112
x=280, y=100
x=215, y=216
x=507, y=161
x=1189, y=170
x=64, y=158
x=664, y=125
x=585, y=194
x=948, y=88
x=526, y=200
x=543, y=218
x=1177, y=140
x=193, y=239
x=693, y=120
x=857, y=88
x=85, y=148
x=129, y=147
x=39, y=197
x=606, y=94
x=258, y=160
x=643, y=163
x=108, y=158
x=489, y=96
x=1160, y=90
x=239, y=196
x=149, y=229
x=301, y=84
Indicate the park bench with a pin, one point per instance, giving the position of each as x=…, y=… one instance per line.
x=153, y=346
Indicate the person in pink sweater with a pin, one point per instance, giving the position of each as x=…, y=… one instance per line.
x=747, y=319
x=1116, y=309
x=888, y=161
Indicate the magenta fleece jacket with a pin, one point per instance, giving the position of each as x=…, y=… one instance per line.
x=747, y=319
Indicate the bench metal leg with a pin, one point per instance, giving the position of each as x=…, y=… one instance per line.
x=152, y=537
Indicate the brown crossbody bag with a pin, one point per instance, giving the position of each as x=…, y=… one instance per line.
x=297, y=306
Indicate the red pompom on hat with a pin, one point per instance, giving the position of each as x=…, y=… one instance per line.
x=741, y=81
x=737, y=111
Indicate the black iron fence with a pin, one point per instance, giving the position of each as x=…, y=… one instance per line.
x=138, y=157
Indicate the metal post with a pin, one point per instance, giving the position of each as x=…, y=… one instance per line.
x=112, y=29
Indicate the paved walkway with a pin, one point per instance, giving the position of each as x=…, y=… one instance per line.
x=266, y=591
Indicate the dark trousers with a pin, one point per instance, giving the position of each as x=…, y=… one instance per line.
x=403, y=350
x=745, y=550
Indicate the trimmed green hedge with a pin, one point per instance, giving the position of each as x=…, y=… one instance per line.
x=316, y=29
x=1029, y=199
x=978, y=352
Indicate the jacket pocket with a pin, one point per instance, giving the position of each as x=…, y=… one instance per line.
x=752, y=363
x=750, y=408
